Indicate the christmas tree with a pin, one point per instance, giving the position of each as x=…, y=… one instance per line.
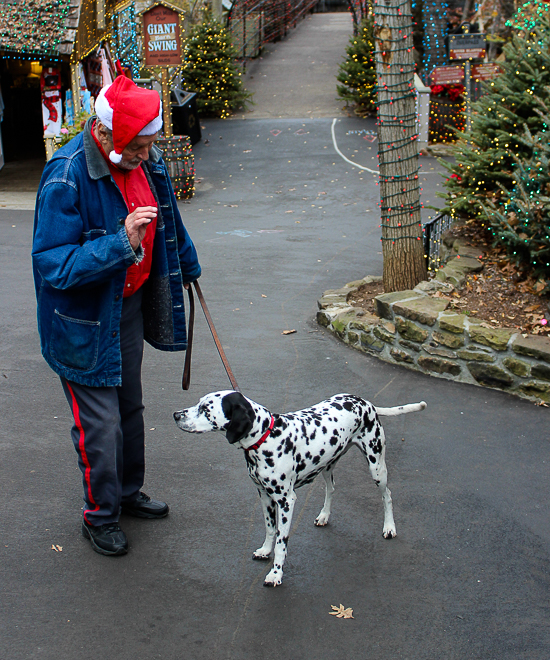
x=521, y=222
x=486, y=156
x=210, y=70
x=358, y=72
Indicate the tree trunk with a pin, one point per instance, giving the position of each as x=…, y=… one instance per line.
x=402, y=244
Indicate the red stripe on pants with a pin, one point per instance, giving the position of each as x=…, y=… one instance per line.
x=82, y=450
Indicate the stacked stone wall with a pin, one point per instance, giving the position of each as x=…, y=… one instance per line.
x=417, y=330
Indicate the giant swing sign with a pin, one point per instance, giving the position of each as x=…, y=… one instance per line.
x=162, y=36
x=162, y=41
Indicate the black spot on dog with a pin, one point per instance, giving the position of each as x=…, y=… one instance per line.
x=324, y=430
x=333, y=441
x=348, y=405
x=289, y=445
x=372, y=459
x=316, y=460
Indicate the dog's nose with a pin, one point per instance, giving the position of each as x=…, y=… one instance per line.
x=177, y=416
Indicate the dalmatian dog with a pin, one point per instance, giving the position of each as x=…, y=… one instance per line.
x=284, y=452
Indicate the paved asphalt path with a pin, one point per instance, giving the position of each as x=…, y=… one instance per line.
x=278, y=218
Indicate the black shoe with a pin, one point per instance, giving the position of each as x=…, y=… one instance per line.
x=144, y=507
x=106, y=539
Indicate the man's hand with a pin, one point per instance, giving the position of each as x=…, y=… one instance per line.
x=136, y=224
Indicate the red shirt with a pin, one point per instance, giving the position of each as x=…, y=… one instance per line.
x=135, y=189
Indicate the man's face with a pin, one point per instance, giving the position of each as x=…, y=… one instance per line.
x=135, y=152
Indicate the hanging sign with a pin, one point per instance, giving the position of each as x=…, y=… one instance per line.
x=486, y=71
x=466, y=46
x=162, y=39
x=447, y=75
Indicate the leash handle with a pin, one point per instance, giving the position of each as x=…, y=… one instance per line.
x=186, y=380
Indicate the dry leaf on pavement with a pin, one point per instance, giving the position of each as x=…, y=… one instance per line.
x=342, y=613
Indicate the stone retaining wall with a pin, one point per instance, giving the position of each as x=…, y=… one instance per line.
x=417, y=330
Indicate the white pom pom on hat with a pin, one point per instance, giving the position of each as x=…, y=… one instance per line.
x=128, y=110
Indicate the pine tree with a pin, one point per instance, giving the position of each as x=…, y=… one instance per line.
x=358, y=72
x=521, y=222
x=486, y=156
x=210, y=70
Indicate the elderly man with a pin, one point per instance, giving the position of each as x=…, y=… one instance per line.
x=110, y=257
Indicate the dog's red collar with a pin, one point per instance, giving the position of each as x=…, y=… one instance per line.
x=264, y=437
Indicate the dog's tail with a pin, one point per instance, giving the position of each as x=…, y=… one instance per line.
x=401, y=410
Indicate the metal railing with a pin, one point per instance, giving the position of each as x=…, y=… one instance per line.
x=257, y=22
x=433, y=237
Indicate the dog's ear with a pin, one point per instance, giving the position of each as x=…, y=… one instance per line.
x=240, y=414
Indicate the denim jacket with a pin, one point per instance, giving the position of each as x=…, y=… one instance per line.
x=80, y=256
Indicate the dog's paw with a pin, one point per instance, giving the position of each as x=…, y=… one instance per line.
x=321, y=520
x=389, y=533
x=273, y=579
x=260, y=556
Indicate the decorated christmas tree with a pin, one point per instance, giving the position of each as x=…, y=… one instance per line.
x=210, y=70
x=487, y=156
x=358, y=72
x=521, y=221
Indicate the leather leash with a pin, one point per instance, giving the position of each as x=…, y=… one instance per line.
x=186, y=379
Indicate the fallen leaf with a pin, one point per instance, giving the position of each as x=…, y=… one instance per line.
x=263, y=295
x=531, y=308
x=57, y=548
x=288, y=332
x=341, y=613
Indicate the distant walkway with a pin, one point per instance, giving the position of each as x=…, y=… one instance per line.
x=296, y=77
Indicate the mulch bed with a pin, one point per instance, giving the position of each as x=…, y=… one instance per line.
x=500, y=295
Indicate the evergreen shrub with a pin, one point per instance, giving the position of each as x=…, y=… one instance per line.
x=210, y=70
x=358, y=72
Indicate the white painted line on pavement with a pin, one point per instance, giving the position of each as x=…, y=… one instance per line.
x=361, y=167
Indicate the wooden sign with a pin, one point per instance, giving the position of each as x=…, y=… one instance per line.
x=161, y=37
x=447, y=75
x=486, y=71
x=466, y=46
x=162, y=43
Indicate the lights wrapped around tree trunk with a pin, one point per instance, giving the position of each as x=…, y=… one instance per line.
x=402, y=245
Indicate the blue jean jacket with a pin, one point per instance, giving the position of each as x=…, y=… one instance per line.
x=80, y=255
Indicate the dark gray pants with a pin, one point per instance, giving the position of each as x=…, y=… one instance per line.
x=108, y=432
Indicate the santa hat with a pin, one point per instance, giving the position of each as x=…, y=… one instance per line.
x=128, y=110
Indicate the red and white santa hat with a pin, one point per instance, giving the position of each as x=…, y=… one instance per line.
x=128, y=110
